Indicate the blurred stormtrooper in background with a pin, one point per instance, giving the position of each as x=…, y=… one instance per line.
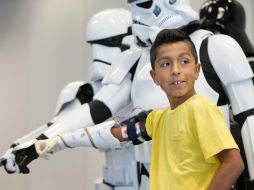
x=228, y=17
x=226, y=79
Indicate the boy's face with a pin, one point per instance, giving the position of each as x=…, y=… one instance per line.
x=175, y=70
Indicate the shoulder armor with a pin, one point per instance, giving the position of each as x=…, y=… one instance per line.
x=197, y=38
x=228, y=59
x=68, y=94
x=122, y=66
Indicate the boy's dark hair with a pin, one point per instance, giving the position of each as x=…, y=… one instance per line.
x=171, y=36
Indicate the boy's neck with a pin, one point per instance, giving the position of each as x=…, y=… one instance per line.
x=176, y=101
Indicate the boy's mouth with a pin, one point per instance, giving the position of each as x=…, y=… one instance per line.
x=177, y=82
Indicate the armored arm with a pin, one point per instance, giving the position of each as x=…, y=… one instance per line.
x=114, y=95
x=233, y=69
x=71, y=97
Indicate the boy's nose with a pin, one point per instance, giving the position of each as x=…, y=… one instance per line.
x=175, y=69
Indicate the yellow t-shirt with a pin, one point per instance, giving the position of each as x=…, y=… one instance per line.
x=185, y=142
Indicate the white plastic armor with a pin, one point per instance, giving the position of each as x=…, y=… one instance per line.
x=98, y=136
x=68, y=94
x=100, y=30
x=148, y=16
x=228, y=17
x=124, y=63
x=232, y=61
x=248, y=141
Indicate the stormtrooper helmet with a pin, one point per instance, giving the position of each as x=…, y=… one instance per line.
x=109, y=33
x=150, y=16
x=226, y=17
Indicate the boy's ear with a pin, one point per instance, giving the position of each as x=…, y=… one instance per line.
x=152, y=73
x=197, y=70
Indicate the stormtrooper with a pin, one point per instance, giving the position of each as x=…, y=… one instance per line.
x=226, y=79
x=228, y=17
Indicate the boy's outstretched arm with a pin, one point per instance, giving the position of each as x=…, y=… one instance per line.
x=230, y=169
x=106, y=135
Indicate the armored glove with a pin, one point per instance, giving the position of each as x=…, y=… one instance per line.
x=16, y=159
x=8, y=162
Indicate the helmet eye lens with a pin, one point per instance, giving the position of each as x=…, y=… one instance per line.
x=145, y=5
x=171, y=2
x=114, y=41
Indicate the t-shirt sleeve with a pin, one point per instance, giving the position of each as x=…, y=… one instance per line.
x=212, y=132
x=149, y=123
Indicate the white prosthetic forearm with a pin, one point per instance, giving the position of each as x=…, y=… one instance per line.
x=98, y=136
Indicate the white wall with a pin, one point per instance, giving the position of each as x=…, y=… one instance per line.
x=248, y=7
x=42, y=48
x=13, y=82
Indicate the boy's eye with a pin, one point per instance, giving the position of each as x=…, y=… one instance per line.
x=165, y=64
x=184, y=61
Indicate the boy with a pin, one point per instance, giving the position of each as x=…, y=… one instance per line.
x=192, y=148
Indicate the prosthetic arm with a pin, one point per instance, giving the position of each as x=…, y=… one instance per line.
x=99, y=136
